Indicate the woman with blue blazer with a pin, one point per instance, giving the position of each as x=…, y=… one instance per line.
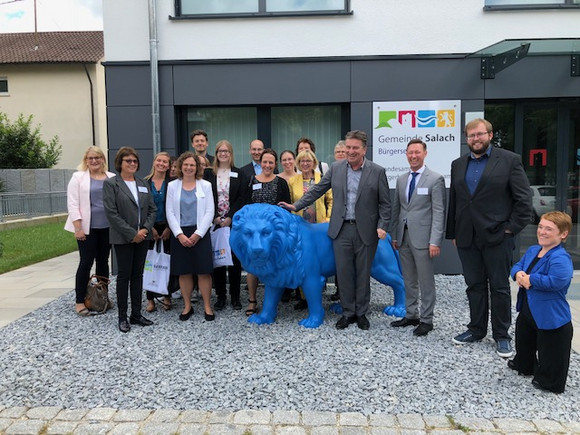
x=131, y=213
x=544, y=324
x=190, y=211
x=87, y=220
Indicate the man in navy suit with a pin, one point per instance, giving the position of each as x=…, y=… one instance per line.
x=489, y=204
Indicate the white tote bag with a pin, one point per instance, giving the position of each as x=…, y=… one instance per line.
x=156, y=270
x=220, y=242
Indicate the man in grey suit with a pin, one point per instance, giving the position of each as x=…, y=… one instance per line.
x=418, y=221
x=490, y=202
x=360, y=217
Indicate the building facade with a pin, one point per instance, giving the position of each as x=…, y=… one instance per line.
x=279, y=70
x=58, y=78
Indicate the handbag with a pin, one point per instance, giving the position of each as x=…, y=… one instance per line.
x=220, y=242
x=156, y=270
x=97, y=297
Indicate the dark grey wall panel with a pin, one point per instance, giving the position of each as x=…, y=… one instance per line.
x=263, y=83
x=131, y=126
x=408, y=80
x=166, y=85
x=128, y=85
x=168, y=133
x=534, y=77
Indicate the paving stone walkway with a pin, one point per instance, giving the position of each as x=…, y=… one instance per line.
x=55, y=420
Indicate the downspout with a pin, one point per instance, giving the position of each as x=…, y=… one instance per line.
x=92, y=103
x=154, y=77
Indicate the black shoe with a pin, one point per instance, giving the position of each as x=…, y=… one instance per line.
x=140, y=321
x=209, y=317
x=236, y=304
x=335, y=297
x=422, y=329
x=124, y=325
x=301, y=305
x=186, y=316
x=363, y=323
x=220, y=304
x=344, y=322
x=405, y=322
x=512, y=365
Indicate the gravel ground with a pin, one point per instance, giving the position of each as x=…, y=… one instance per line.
x=52, y=357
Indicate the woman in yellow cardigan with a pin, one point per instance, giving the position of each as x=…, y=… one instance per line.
x=320, y=210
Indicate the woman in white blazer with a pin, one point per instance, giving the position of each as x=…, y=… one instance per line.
x=189, y=212
x=87, y=220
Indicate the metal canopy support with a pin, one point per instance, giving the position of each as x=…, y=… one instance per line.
x=575, y=65
x=491, y=65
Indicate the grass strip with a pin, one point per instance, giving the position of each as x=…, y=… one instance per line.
x=25, y=246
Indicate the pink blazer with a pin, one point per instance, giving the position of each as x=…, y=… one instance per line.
x=78, y=200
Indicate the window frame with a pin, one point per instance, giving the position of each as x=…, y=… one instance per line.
x=7, y=91
x=262, y=12
x=565, y=4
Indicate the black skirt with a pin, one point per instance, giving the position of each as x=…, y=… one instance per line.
x=191, y=261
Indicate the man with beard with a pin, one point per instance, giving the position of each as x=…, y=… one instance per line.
x=489, y=204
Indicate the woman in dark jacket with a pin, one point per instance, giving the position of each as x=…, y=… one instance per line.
x=229, y=192
x=130, y=210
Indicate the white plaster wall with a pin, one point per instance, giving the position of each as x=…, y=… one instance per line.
x=377, y=27
x=59, y=98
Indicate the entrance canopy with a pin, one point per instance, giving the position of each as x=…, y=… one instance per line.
x=503, y=54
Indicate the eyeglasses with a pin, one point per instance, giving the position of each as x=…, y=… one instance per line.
x=94, y=158
x=223, y=152
x=131, y=161
x=476, y=135
x=306, y=161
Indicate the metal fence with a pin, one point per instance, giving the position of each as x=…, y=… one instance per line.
x=28, y=205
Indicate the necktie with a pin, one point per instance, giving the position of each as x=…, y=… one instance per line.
x=412, y=185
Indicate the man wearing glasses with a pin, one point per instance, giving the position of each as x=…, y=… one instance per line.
x=489, y=203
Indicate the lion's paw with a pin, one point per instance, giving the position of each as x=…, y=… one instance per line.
x=311, y=322
x=395, y=310
x=336, y=308
x=258, y=319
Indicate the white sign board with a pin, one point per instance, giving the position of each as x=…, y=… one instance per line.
x=437, y=123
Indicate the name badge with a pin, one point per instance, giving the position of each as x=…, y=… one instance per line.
x=199, y=193
x=142, y=189
x=233, y=174
x=257, y=186
x=422, y=191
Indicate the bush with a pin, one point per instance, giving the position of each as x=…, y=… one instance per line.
x=21, y=145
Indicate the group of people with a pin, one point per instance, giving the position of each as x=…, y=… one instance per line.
x=489, y=204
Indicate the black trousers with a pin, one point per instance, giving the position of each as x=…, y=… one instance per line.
x=235, y=276
x=95, y=249
x=552, y=347
x=130, y=262
x=486, y=271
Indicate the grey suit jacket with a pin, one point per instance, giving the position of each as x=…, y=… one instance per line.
x=372, y=207
x=125, y=217
x=424, y=215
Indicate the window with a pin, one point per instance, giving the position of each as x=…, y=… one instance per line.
x=530, y=4
x=258, y=8
x=278, y=126
x=3, y=85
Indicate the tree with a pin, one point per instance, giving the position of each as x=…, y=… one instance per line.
x=21, y=145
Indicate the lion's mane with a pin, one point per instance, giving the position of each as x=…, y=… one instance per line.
x=285, y=267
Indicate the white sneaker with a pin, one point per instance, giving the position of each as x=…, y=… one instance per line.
x=176, y=295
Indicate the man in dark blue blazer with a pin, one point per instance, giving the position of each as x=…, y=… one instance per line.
x=490, y=202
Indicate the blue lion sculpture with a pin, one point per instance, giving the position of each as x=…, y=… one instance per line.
x=284, y=251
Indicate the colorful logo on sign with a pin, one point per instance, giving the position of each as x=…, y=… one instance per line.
x=417, y=118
